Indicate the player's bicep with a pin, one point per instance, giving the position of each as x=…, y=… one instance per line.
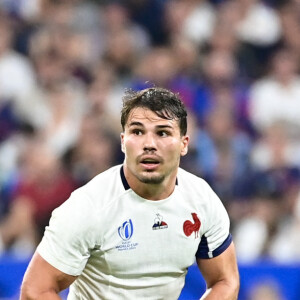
x=220, y=268
x=70, y=236
x=41, y=277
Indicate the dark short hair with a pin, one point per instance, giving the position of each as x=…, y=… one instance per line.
x=164, y=103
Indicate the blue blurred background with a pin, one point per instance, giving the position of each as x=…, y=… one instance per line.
x=64, y=67
x=263, y=280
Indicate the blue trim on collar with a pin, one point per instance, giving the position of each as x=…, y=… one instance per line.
x=124, y=181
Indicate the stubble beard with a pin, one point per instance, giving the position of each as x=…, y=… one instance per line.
x=151, y=179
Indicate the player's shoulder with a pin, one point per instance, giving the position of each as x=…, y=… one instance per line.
x=187, y=180
x=105, y=177
x=193, y=186
x=103, y=186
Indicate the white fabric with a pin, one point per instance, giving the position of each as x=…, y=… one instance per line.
x=16, y=75
x=105, y=235
x=285, y=247
x=199, y=24
x=271, y=102
x=263, y=156
x=261, y=26
x=40, y=110
x=26, y=9
x=250, y=237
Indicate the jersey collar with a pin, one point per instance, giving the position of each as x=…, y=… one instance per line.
x=124, y=181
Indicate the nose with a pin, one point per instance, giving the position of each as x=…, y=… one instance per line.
x=149, y=142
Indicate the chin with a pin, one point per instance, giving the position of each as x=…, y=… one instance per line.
x=151, y=178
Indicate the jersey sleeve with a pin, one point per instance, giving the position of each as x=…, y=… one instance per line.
x=216, y=237
x=68, y=239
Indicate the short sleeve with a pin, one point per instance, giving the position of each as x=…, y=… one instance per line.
x=216, y=237
x=68, y=239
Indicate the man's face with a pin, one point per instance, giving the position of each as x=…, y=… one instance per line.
x=152, y=146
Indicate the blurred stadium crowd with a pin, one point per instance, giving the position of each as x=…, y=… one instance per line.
x=64, y=66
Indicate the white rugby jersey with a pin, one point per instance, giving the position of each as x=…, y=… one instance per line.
x=122, y=246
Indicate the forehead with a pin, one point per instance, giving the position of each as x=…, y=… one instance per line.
x=146, y=116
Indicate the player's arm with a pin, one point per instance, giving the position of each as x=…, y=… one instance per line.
x=42, y=281
x=221, y=275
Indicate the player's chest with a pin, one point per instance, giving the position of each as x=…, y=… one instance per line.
x=151, y=235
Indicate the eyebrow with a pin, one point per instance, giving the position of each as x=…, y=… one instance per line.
x=135, y=124
x=165, y=126
x=142, y=125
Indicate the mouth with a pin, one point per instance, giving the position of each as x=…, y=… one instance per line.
x=149, y=163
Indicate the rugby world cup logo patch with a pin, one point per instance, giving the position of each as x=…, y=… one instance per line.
x=126, y=230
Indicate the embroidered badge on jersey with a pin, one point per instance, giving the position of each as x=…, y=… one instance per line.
x=190, y=227
x=125, y=232
x=159, y=223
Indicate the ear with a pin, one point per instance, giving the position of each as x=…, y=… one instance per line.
x=184, y=145
x=122, y=142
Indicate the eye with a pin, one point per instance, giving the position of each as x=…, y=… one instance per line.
x=137, y=132
x=163, y=133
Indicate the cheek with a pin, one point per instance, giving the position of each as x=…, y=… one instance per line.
x=129, y=146
x=173, y=149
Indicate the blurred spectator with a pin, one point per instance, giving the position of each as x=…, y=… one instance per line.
x=13, y=65
x=150, y=15
x=64, y=66
x=76, y=26
x=266, y=290
x=121, y=52
x=285, y=247
x=274, y=187
x=186, y=55
x=190, y=162
x=55, y=104
x=255, y=228
x=276, y=149
x=220, y=85
x=225, y=39
x=61, y=128
x=256, y=42
x=160, y=67
x=125, y=41
x=43, y=185
x=289, y=14
x=193, y=19
x=223, y=154
x=95, y=151
x=22, y=8
x=8, y=120
x=276, y=97
x=258, y=23
x=10, y=151
x=55, y=111
x=69, y=46
x=104, y=97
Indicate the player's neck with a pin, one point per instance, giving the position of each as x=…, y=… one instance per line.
x=150, y=191
x=154, y=192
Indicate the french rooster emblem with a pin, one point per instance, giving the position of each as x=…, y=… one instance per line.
x=190, y=227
